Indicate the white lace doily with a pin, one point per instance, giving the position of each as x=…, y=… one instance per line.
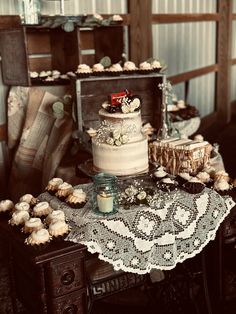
x=143, y=238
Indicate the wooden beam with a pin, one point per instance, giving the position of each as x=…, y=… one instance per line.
x=140, y=32
x=184, y=18
x=10, y=21
x=233, y=61
x=224, y=38
x=186, y=76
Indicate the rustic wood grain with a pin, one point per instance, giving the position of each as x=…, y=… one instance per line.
x=184, y=18
x=140, y=35
x=10, y=21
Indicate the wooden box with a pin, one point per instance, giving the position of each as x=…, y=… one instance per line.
x=35, y=48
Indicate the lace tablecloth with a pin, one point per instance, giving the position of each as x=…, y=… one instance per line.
x=140, y=239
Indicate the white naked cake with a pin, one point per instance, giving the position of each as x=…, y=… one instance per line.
x=119, y=147
x=180, y=155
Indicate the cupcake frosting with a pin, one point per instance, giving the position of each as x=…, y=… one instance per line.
x=83, y=68
x=79, y=194
x=203, y=176
x=64, y=186
x=55, y=215
x=129, y=65
x=58, y=228
x=145, y=66
x=156, y=64
x=221, y=185
x=97, y=67
x=19, y=217
x=22, y=206
x=168, y=181
x=38, y=237
x=160, y=173
x=115, y=67
x=6, y=205
x=26, y=198
x=55, y=181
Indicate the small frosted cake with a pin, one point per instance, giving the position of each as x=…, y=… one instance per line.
x=167, y=184
x=129, y=67
x=204, y=177
x=77, y=199
x=28, y=198
x=116, y=19
x=64, y=190
x=222, y=186
x=145, y=67
x=221, y=175
x=83, y=70
x=114, y=69
x=156, y=65
x=159, y=174
x=6, y=207
x=58, y=228
x=33, y=224
x=194, y=186
x=22, y=206
x=53, y=184
x=55, y=216
x=19, y=217
x=41, y=209
x=98, y=69
x=39, y=237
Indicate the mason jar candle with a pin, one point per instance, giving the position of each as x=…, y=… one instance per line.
x=105, y=193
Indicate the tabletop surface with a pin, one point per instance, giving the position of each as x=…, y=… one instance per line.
x=173, y=227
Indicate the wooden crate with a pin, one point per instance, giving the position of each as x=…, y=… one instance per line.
x=92, y=92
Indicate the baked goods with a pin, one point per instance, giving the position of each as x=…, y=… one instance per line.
x=33, y=224
x=167, y=184
x=156, y=65
x=6, y=207
x=77, y=199
x=129, y=67
x=194, y=186
x=83, y=70
x=22, y=206
x=58, y=228
x=145, y=67
x=55, y=215
x=28, y=198
x=19, y=217
x=221, y=175
x=222, y=186
x=120, y=147
x=64, y=190
x=159, y=174
x=183, y=177
x=41, y=209
x=180, y=155
x=204, y=177
x=114, y=69
x=38, y=238
x=53, y=184
x=98, y=69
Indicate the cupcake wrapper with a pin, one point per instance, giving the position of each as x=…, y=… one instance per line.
x=114, y=73
x=83, y=75
x=98, y=73
x=193, y=188
x=144, y=71
x=77, y=205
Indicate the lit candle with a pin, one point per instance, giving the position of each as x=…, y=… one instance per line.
x=105, y=202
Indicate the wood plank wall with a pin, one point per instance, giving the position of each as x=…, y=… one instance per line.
x=223, y=17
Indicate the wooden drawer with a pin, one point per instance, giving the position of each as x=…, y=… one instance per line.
x=65, y=275
x=73, y=303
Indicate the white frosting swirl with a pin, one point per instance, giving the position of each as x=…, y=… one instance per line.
x=22, y=206
x=64, y=186
x=6, y=205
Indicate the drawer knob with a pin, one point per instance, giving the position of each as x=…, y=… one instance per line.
x=68, y=277
x=71, y=309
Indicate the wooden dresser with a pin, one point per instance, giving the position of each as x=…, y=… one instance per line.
x=51, y=280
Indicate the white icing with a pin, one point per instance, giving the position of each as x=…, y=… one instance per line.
x=221, y=185
x=26, y=198
x=22, y=206
x=34, y=74
x=58, y=227
x=38, y=237
x=168, y=181
x=55, y=181
x=156, y=64
x=97, y=67
x=33, y=222
x=160, y=173
x=115, y=67
x=203, y=176
x=117, y=17
x=6, y=205
x=80, y=194
x=145, y=66
x=64, y=186
x=194, y=180
x=129, y=65
x=41, y=206
x=185, y=176
x=199, y=138
x=19, y=217
x=83, y=68
x=181, y=104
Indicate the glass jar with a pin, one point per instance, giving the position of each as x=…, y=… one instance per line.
x=29, y=11
x=105, y=198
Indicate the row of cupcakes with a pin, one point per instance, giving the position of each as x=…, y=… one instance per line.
x=74, y=197
x=218, y=180
x=129, y=67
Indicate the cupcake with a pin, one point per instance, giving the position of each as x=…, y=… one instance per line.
x=33, y=224
x=159, y=174
x=53, y=184
x=221, y=175
x=114, y=69
x=19, y=217
x=28, y=198
x=22, y=206
x=41, y=209
x=38, y=238
x=98, y=69
x=77, y=199
x=145, y=68
x=204, y=177
x=6, y=207
x=183, y=177
x=83, y=70
x=55, y=216
x=116, y=19
x=64, y=190
x=58, y=228
x=129, y=67
x=194, y=186
x=222, y=186
x=156, y=65
x=167, y=184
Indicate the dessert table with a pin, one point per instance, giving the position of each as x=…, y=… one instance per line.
x=176, y=226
